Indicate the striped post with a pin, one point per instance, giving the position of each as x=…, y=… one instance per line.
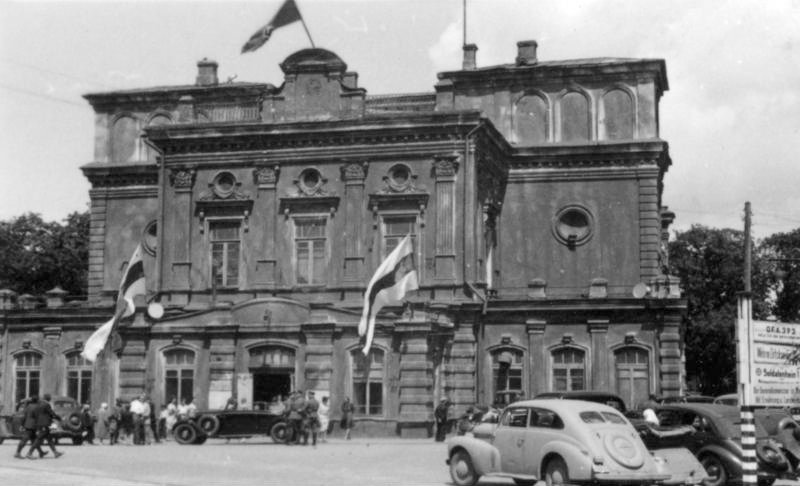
x=749, y=458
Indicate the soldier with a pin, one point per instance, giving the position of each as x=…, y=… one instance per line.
x=44, y=417
x=311, y=420
x=29, y=423
x=297, y=407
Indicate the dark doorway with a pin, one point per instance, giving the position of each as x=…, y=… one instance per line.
x=269, y=384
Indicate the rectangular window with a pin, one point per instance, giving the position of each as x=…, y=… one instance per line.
x=79, y=385
x=225, y=246
x=27, y=384
x=179, y=383
x=395, y=228
x=368, y=383
x=310, y=238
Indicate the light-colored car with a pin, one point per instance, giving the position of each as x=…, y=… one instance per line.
x=564, y=441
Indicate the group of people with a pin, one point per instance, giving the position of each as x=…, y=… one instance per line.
x=465, y=422
x=38, y=416
x=305, y=416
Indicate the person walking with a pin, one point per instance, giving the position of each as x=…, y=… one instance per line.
x=44, y=417
x=87, y=424
x=347, y=416
x=440, y=415
x=324, y=419
x=312, y=423
x=29, y=423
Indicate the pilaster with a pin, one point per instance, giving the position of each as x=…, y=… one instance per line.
x=598, y=329
x=179, y=222
x=537, y=373
x=265, y=233
x=445, y=169
x=97, y=242
x=669, y=354
x=353, y=175
x=318, y=355
x=416, y=376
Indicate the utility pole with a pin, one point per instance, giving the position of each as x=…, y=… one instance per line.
x=748, y=250
x=743, y=362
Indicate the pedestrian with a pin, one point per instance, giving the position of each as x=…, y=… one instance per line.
x=114, y=423
x=312, y=423
x=347, y=417
x=231, y=403
x=324, y=419
x=172, y=416
x=126, y=423
x=440, y=415
x=87, y=424
x=277, y=406
x=162, y=423
x=101, y=424
x=139, y=413
x=183, y=410
x=153, y=420
x=465, y=423
x=44, y=418
x=191, y=408
x=29, y=423
x=296, y=414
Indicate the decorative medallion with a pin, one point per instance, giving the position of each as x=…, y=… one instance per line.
x=266, y=175
x=445, y=166
x=354, y=171
x=182, y=178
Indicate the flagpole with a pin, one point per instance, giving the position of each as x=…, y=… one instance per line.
x=464, y=9
x=305, y=26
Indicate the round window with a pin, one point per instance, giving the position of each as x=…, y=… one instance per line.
x=150, y=237
x=224, y=184
x=573, y=225
x=310, y=180
x=399, y=177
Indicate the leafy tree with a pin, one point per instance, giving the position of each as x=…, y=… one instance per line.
x=710, y=264
x=36, y=255
x=781, y=251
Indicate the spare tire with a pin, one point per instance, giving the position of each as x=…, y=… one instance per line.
x=624, y=450
x=209, y=424
x=770, y=453
x=279, y=432
x=73, y=423
x=185, y=433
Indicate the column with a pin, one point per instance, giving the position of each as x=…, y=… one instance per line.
x=265, y=209
x=537, y=357
x=353, y=175
x=598, y=329
x=445, y=169
x=179, y=224
x=415, y=417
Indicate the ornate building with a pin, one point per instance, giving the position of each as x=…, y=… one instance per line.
x=532, y=191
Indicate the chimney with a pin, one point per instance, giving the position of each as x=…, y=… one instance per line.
x=207, y=73
x=469, y=57
x=526, y=52
x=350, y=79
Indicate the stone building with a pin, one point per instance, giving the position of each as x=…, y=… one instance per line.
x=532, y=191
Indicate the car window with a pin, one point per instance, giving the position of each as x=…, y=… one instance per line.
x=62, y=404
x=547, y=419
x=515, y=417
x=592, y=417
x=614, y=418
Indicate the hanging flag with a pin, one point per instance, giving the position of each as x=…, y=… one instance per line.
x=132, y=284
x=287, y=14
x=490, y=268
x=392, y=280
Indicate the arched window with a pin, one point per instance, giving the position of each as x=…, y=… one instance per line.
x=530, y=120
x=507, y=371
x=272, y=356
x=156, y=121
x=633, y=374
x=27, y=369
x=79, y=378
x=179, y=374
x=569, y=369
x=124, y=139
x=574, y=118
x=617, y=121
x=367, y=381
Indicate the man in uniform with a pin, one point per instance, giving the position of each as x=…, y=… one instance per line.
x=311, y=420
x=297, y=407
x=44, y=417
x=440, y=414
x=29, y=423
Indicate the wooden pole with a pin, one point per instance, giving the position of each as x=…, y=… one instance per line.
x=748, y=427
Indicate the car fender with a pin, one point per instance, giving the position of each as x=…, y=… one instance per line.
x=578, y=460
x=680, y=464
x=732, y=463
x=485, y=456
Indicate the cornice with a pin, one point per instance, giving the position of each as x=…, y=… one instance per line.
x=653, y=153
x=117, y=175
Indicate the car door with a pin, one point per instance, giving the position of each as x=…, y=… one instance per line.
x=510, y=437
x=545, y=427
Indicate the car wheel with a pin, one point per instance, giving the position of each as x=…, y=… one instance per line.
x=717, y=475
x=73, y=422
x=208, y=424
x=185, y=433
x=461, y=469
x=77, y=440
x=279, y=432
x=555, y=472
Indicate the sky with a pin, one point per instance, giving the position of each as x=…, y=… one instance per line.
x=731, y=115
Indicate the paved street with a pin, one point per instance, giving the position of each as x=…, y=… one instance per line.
x=254, y=461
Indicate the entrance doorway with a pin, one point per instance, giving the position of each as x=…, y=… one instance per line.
x=267, y=385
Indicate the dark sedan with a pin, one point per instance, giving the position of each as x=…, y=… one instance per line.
x=713, y=433
x=70, y=426
x=229, y=424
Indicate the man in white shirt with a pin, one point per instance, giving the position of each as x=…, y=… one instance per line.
x=140, y=412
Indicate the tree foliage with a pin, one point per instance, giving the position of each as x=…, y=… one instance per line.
x=782, y=253
x=36, y=255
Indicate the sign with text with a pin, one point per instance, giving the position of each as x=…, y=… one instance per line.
x=770, y=362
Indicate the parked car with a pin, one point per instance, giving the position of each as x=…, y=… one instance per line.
x=727, y=399
x=605, y=398
x=228, y=424
x=562, y=441
x=686, y=399
x=715, y=439
x=70, y=426
x=781, y=426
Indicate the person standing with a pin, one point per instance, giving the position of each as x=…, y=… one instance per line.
x=347, y=416
x=101, y=426
x=324, y=419
x=153, y=419
x=87, y=424
x=183, y=410
x=191, y=408
x=114, y=420
x=44, y=417
x=138, y=413
x=440, y=415
x=296, y=413
x=172, y=416
x=312, y=423
x=29, y=423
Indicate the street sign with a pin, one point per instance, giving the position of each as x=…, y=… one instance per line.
x=770, y=376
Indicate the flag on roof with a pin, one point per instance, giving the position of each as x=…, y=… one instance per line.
x=287, y=14
x=394, y=278
x=132, y=284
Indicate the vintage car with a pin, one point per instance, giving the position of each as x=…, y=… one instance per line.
x=69, y=427
x=565, y=441
x=714, y=436
x=781, y=426
x=229, y=424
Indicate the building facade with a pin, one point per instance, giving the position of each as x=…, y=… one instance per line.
x=532, y=192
